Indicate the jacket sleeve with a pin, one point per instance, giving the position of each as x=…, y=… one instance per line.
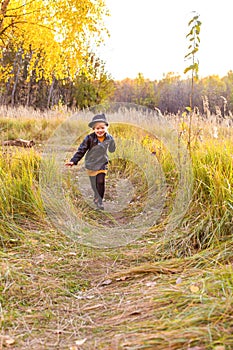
x=112, y=145
x=83, y=148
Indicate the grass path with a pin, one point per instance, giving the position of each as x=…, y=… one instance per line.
x=57, y=295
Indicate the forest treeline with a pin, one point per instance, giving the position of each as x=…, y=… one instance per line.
x=91, y=86
x=212, y=94
x=48, y=58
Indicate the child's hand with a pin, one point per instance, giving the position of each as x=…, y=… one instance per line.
x=69, y=164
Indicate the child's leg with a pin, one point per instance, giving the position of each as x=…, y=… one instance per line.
x=94, y=187
x=100, y=184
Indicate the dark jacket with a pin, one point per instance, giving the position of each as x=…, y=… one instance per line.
x=96, y=151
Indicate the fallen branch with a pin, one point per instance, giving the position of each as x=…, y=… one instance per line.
x=19, y=142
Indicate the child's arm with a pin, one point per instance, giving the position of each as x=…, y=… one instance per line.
x=83, y=148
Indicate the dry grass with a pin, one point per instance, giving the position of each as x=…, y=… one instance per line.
x=58, y=293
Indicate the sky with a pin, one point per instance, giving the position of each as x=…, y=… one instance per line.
x=149, y=36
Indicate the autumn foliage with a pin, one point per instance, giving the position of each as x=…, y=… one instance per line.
x=53, y=35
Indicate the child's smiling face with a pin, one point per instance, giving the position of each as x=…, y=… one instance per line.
x=100, y=129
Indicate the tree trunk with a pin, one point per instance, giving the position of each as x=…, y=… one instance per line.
x=50, y=93
x=28, y=92
x=19, y=54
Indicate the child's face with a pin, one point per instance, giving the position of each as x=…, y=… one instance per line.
x=100, y=129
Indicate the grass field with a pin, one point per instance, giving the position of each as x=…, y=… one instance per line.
x=162, y=291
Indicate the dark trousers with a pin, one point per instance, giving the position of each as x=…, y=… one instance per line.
x=98, y=186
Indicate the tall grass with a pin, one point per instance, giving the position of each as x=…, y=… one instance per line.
x=208, y=220
x=213, y=198
x=27, y=123
x=20, y=199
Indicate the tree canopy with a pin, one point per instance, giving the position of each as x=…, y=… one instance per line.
x=55, y=36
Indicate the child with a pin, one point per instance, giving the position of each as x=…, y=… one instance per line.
x=95, y=146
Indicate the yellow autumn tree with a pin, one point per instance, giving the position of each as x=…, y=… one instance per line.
x=54, y=35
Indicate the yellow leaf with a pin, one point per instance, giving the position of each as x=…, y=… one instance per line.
x=194, y=289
